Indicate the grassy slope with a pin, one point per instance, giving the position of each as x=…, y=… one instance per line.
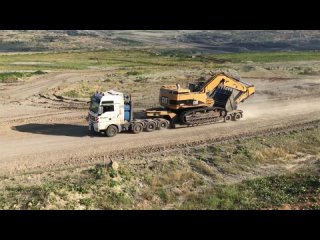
x=137, y=58
x=221, y=40
x=194, y=178
x=9, y=77
x=83, y=60
x=270, y=56
x=263, y=193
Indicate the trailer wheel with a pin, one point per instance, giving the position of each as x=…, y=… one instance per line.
x=163, y=124
x=111, y=131
x=237, y=116
x=151, y=126
x=227, y=118
x=137, y=128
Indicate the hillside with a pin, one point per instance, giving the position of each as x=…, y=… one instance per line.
x=196, y=40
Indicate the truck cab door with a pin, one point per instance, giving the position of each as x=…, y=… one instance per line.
x=109, y=113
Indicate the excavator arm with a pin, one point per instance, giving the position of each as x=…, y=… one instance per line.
x=244, y=95
x=227, y=81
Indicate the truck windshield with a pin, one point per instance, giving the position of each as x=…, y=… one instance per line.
x=94, y=106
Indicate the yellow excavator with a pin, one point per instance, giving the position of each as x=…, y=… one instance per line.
x=203, y=102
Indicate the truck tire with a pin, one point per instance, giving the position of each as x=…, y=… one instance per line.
x=111, y=131
x=151, y=126
x=163, y=124
x=237, y=116
x=137, y=128
x=228, y=117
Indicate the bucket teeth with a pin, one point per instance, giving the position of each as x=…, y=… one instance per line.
x=223, y=97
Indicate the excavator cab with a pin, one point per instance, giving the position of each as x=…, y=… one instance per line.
x=196, y=87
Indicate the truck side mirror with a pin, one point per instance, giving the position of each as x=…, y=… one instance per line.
x=100, y=111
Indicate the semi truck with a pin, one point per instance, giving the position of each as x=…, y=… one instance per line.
x=211, y=101
x=112, y=112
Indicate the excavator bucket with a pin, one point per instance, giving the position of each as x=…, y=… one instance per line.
x=224, y=98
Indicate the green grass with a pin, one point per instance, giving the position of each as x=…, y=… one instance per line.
x=245, y=154
x=134, y=73
x=142, y=60
x=125, y=59
x=72, y=94
x=94, y=188
x=269, y=56
x=9, y=77
x=82, y=90
x=269, y=192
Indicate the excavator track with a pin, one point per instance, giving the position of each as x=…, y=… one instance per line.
x=202, y=115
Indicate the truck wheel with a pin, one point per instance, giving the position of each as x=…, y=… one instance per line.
x=227, y=118
x=151, y=126
x=163, y=124
x=237, y=116
x=137, y=128
x=111, y=131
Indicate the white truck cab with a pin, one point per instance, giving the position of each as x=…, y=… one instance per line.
x=109, y=112
x=112, y=112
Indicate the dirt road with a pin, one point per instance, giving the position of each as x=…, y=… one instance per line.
x=33, y=137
